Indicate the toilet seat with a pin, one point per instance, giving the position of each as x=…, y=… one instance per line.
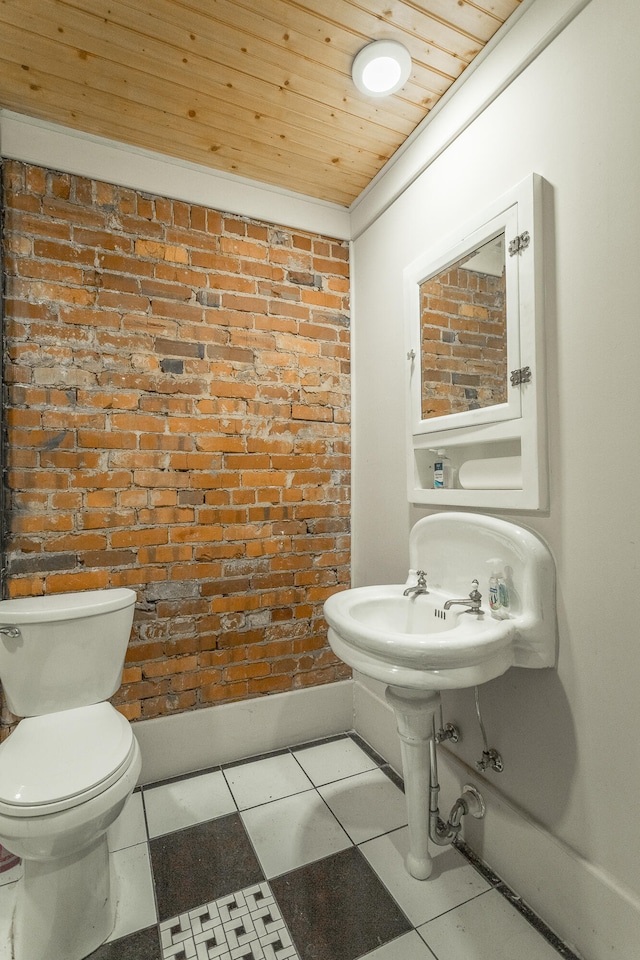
x=58, y=760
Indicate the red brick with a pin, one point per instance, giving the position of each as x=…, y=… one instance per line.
x=217, y=487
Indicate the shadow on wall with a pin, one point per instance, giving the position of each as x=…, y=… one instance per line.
x=528, y=720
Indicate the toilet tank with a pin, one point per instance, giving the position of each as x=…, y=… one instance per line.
x=63, y=651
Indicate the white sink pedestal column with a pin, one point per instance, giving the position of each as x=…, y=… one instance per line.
x=415, y=719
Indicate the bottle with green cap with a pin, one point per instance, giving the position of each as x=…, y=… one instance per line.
x=495, y=576
x=503, y=594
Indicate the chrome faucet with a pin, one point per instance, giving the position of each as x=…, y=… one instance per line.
x=420, y=587
x=472, y=602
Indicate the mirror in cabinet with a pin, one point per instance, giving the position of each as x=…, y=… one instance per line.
x=473, y=304
x=463, y=333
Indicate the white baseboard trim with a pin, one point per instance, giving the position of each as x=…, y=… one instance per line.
x=583, y=904
x=186, y=742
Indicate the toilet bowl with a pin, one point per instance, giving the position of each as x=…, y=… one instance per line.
x=65, y=773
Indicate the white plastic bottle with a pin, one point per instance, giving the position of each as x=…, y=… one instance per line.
x=442, y=473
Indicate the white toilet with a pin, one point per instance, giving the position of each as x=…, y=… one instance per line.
x=68, y=768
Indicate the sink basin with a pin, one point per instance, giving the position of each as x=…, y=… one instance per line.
x=413, y=642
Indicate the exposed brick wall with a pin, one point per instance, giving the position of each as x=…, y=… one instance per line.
x=463, y=341
x=177, y=409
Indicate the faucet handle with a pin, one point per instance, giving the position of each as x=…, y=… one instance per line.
x=475, y=593
x=422, y=578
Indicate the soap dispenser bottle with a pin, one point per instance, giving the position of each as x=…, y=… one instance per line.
x=495, y=603
x=503, y=594
x=442, y=472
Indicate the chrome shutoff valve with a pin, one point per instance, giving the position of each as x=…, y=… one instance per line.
x=492, y=760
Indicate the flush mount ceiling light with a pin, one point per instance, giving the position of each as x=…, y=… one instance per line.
x=381, y=68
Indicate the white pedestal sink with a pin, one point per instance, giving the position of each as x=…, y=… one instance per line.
x=419, y=645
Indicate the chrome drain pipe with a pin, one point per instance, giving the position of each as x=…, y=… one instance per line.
x=471, y=801
x=415, y=712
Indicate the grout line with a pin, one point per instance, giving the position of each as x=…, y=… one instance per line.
x=264, y=803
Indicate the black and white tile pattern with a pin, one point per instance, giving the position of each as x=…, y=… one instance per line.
x=245, y=925
x=297, y=856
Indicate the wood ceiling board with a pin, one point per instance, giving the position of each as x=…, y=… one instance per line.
x=182, y=103
x=164, y=65
x=217, y=52
x=114, y=99
x=255, y=88
x=327, y=43
x=145, y=126
x=396, y=19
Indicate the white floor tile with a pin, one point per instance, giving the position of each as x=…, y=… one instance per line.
x=366, y=805
x=7, y=903
x=130, y=827
x=487, y=928
x=291, y=832
x=331, y=761
x=133, y=886
x=11, y=875
x=408, y=947
x=452, y=882
x=184, y=803
x=264, y=780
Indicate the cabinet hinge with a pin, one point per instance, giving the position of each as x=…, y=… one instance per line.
x=519, y=243
x=523, y=375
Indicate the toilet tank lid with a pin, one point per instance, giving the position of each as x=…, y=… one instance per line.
x=65, y=606
x=60, y=755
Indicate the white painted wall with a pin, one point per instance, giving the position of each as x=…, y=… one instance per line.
x=570, y=737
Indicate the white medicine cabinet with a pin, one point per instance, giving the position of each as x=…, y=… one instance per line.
x=474, y=339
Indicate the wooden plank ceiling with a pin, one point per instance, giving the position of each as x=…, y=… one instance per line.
x=257, y=88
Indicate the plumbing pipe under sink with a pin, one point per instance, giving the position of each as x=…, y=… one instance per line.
x=415, y=713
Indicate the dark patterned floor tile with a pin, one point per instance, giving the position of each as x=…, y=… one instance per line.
x=242, y=925
x=202, y=863
x=337, y=908
x=143, y=945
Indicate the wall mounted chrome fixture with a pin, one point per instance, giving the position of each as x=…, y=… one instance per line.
x=381, y=68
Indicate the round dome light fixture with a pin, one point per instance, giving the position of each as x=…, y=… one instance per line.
x=381, y=68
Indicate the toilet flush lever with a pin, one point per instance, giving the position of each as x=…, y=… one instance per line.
x=7, y=631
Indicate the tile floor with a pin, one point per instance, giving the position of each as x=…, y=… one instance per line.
x=297, y=856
